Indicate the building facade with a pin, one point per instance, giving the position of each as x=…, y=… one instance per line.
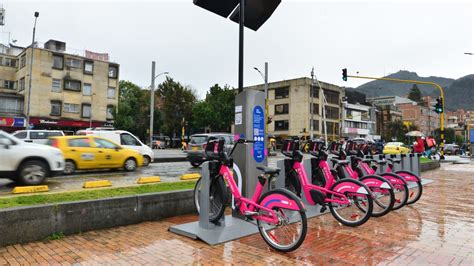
x=423, y=117
x=68, y=91
x=290, y=106
x=359, y=121
x=387, y=111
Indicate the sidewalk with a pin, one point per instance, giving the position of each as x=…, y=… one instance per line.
x=439, y=229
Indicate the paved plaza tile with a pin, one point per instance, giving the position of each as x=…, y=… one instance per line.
x=438, y=230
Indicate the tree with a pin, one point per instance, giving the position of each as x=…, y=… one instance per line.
x=449, y=135
x=416, y=96
x=177, y=103
x=217, y=109
x=396, y=130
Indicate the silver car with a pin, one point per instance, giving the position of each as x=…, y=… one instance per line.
x=197, y=145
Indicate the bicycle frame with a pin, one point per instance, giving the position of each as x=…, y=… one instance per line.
x=408, y=176
x=330, y=181
x=251, y=204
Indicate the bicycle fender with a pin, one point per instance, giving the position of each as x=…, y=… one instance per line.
x=376, y=181
x=348, y=185
x=408, y=176
x=285, y=199
x=394, y=179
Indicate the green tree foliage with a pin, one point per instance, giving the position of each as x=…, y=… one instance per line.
x=133, y=110
x=217, y=109
x=177, y=103
x=396, y=130
x=416, y=96
x=449, y=135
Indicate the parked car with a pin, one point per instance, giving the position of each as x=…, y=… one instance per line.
x=396, y=148
x=37, y=136
x=197, y=145
x=91, y=152
x=161, y=142
x=125, y=139
x=28, y=163
x=451, y=149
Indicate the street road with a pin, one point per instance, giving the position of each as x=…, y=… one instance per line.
x=167, y=171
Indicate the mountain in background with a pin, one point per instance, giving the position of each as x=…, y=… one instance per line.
x=459, y=93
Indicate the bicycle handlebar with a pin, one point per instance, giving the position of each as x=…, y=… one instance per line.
x=240, y=141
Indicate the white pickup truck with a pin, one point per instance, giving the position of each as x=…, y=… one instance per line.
x=28, y=163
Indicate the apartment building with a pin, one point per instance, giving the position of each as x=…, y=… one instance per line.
x=289, y=108
x=387, y=111
x=359, y=120
x=425, y=118
x=68, y=91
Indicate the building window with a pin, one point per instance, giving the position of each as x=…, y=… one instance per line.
x=315, y=108
x=315, y=92
x=56, y=86
x=73, y=63
x=10, y=62
x=333, y=128
x=316, y=125
x=281, y=125
x=332, y=96
x=56, y=108
x=88, y=67
x=282, y=109
x=86, y=110
x=21, y=84
x=113, y=72
x=58, y=62
x=71, y=108
x=332, y=112
x=111, y=93
x=9, y=84
x=23, y=61
x=282, y=93
x=87, y=89
x=110, y=112
x=73, y=85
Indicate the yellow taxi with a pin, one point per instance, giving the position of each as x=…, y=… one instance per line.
x=396, y=148
x=90, y=152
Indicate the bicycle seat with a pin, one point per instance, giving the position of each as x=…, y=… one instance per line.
x=269, y=170
x=394, y=160
x=340, y=162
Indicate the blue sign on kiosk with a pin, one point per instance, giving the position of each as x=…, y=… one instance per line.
x=258, y=134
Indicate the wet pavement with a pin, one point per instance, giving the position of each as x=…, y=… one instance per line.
x=437, y=230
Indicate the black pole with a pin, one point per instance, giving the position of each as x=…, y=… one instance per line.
x=241, y=46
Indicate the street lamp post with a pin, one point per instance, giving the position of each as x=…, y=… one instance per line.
x=325, y=102
x=265, y=88
x=152, y=99
x=31, y=73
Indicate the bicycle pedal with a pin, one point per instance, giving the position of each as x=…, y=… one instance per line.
x=323, y=209
x=250, y=214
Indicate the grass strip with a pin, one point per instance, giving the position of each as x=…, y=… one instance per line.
x=30, y=200
x=425, y=160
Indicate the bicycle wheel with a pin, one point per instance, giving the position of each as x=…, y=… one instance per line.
x=400, y=189
x=414, y=192
x=291, y=229
x=351, y=213
x=383, y=198
x=216, y=198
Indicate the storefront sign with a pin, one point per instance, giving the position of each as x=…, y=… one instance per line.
x=65, y=123
x=12, y=121
x=97, y=56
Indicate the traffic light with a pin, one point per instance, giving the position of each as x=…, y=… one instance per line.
x=344, y=74
x=439, y=105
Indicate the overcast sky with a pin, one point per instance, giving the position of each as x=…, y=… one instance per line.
x=200, y=49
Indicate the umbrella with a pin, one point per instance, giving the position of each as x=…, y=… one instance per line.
x=415, y=133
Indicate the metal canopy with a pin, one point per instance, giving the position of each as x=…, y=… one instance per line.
x=256, y=12
x=222, y=8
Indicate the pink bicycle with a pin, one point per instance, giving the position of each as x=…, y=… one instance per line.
x=280, y=215
x=382, y=190
x=344, y=197
x=362, y=167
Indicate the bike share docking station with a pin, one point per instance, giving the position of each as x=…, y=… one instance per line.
x=249, y=124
